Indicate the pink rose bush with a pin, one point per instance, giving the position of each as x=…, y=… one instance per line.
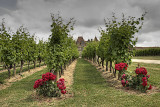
x=48, y=87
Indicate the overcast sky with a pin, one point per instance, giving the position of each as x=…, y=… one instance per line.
x=89, y=16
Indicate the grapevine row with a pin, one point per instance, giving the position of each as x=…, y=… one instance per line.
x=20, y=46
x=116, y=42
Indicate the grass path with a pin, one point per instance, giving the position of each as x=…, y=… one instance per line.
x=91, y=90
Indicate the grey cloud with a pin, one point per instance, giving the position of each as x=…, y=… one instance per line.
x=153, y=15
x=9, y=4
x=89, y=15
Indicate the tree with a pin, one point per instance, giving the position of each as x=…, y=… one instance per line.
x=122, y=37
x=57, y=40
x=7, y=50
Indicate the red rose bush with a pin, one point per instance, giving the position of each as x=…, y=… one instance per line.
x=48, y=87
x=121, y=67
x=138, y=82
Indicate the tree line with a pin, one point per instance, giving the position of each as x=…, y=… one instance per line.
x=148, y=52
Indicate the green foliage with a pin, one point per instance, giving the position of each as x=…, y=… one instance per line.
x=148, y=52
x=117, y=41
x=49, y=89
x=16, y=47
x=60, y=48
x=121, y=36
x=41, y=48
x=103, y=50
x=7, y=51
x=90, y=50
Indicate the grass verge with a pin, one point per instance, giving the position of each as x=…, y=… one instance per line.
x=147, y=57
x=4, y=75
x=92, y=90
x=19, y=94
x=89, y=88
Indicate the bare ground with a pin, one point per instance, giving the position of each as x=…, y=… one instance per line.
x=8, y=82
x=114, y=82
x=68, y=76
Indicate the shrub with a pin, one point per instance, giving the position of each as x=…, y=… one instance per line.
x=48, y=87
x=139, y=81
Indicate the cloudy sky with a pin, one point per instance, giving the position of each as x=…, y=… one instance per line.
x=89, y=16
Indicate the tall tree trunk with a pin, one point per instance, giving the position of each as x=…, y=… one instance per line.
x=115, y=73
x=14, y=70
x=51, y=70
x=29, y=66
x=34, y=64
x=9, y=71
x=57, y=76
x=103, y=63
x=106, y=65
x=4, y=66
x=110, y=66
x=98, y=60
x=62, y=72
x=22, y=62
x=39, y=62
x=65, y=66
x=119, y=75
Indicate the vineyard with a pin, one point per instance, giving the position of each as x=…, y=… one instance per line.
x=104, y=76
x=21, y=47
x=148, y=52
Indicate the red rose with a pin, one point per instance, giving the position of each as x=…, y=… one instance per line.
x=126, y=82
x=144, y=79
x=144, y=84
x=150, y=87
x=144, y=71
x=123, y=83
x=123, y=76
x=63, y=91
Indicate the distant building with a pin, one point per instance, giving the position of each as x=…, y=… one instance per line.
x=95, y=39
x=81, y=43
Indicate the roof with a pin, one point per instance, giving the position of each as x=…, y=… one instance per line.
x=95, y=39
x=80, y=38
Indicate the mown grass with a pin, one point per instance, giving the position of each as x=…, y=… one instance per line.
x=147, y=57
x=89, y=89
x=4, y=75
x=92, y=90
x=153, y=71
x=19, y=94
